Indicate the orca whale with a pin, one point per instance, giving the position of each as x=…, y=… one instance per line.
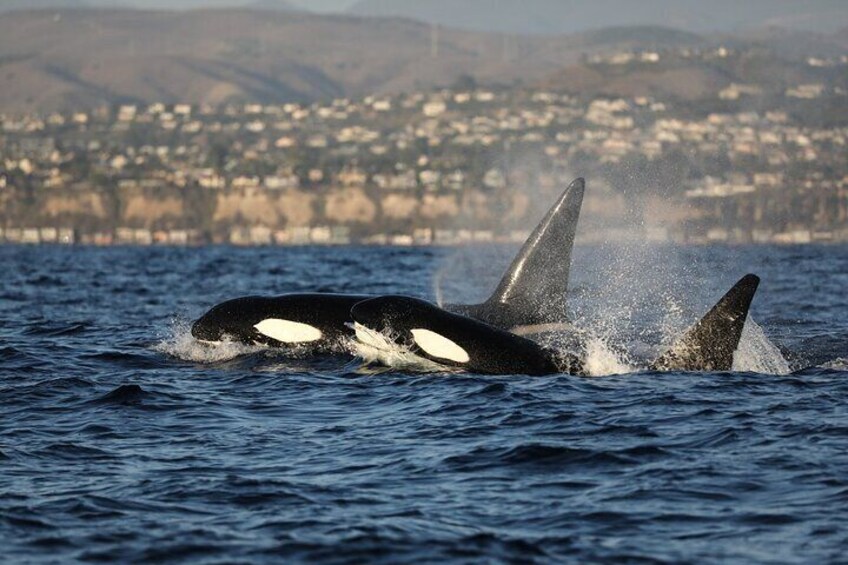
x=319, y=322
x=315, y=321
x=457, y=341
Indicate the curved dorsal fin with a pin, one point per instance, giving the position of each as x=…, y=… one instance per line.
x=709, y=345
x=531, y=291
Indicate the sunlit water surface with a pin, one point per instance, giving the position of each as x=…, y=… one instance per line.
x=123, y=440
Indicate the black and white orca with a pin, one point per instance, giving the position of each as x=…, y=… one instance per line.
x=320, y=322
x=457, y=341
x=315, y=321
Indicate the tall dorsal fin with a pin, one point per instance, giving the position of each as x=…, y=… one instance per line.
x=533, y=288
x=709, y=345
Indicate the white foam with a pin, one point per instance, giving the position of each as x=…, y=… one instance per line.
x=756, y=354
x=840, y=364
x=601, y=360
x=182, y=345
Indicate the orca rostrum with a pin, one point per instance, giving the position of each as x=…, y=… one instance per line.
x=536, y=279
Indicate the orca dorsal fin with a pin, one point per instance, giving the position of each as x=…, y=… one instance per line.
x=533, y=288
x=709, y=345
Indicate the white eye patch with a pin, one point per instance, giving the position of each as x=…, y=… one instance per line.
x=286, y=331
x=439, y=346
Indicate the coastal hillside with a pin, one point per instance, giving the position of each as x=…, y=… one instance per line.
x=62, y=60
x=57, y=60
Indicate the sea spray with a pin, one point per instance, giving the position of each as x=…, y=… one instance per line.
x=603, y=360
x=839, y=364
x=757, y=354
x=375, y=347
x=181, y=344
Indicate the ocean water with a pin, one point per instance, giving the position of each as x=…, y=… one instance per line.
x=123, y=440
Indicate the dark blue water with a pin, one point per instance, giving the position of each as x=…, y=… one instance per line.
x=116, y=446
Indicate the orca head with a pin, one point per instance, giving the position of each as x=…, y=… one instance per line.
x=453, y=339
x=383, y=312
x=291, y=320
x=233, y=319
x=413, y=323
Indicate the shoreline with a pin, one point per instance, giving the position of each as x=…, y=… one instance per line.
x=318, y=236
x=362, y=244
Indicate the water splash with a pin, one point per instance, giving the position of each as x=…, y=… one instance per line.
x=374, y=347
x=438, y=283
x=181, y=344
x=840, y=364
x=602, y=360
x=757, y=354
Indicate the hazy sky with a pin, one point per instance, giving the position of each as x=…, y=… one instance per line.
x=324, y=5
x=314, y=5
x=568, y=16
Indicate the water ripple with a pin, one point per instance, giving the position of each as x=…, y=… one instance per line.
x=123, y=440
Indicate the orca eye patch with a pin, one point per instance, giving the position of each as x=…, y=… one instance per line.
x=439, y=346
x=286, y=331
